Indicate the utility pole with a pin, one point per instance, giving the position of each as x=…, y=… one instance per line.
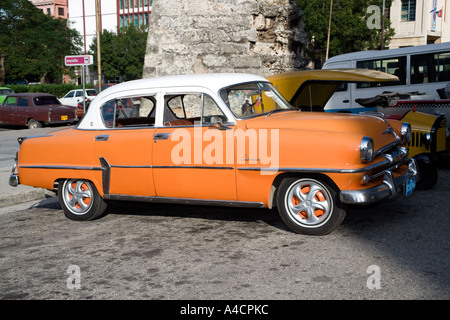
x=99, y=55
x=329, y=30
x=382, y=25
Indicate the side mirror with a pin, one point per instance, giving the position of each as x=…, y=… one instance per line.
x=216, y=122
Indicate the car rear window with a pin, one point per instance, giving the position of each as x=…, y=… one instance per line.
x=44, y=100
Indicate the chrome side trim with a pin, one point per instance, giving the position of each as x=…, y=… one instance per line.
x=396, y=157
x=170, y=167
x=62, y=167
x=223, y=203
x=131, y=167
x=192, y=167
x=122, y=166
x=318, y=170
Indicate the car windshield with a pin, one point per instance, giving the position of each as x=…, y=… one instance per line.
x=252, y=99
x=45, y=100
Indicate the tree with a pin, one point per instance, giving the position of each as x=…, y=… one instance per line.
x=349, y=29
x=122, y=54
x=34, y=44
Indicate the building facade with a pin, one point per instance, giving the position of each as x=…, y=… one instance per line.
x=55, y=8
x=113, y=15
x=419, y=22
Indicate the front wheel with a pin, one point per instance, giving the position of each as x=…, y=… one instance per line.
x=309, y=206
x=80, y=200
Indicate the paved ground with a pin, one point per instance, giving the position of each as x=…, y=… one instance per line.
x=396, y=250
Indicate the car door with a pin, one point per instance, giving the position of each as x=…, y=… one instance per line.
x=125, y=150
x=193, y=154
x=6, y=110
x=20, y=111
x=69, y=99
x=78, y=97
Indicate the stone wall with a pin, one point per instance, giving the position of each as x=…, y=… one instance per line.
x=262, y=37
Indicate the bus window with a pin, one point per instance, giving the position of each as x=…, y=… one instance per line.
x=430, y=67
x=395, y=66
x=443, y=68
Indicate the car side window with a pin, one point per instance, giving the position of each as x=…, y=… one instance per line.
x=10, y=101
x=129, y=112
x=190, y=109
x=69, y=95
x=79, y=94
x=22, y=102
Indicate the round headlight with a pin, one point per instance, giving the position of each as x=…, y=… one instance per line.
x=406, y=132
x=366, y=149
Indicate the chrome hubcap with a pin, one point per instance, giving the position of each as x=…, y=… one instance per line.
x=77, y=195
x=309, y=203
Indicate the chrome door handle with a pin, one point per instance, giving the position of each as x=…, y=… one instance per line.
x=103, y=137
x=161, y=136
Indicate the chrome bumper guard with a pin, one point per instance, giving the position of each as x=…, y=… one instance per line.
x=14, y=177
x=389, y=189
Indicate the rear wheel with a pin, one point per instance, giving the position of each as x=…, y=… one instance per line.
x=80, y=200
x=309, y=206
x=34, y=124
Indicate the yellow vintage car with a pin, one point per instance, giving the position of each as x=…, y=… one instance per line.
x=311, y=90
x=219, y=139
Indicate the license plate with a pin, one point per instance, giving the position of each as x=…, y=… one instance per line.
x=64, y=117
x=410, y=186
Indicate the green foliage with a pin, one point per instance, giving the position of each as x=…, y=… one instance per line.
x=34, y=44
x=122, y=54
x=349, y=30
x=58, y=90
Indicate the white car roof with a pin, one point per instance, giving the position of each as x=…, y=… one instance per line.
x=211, y=81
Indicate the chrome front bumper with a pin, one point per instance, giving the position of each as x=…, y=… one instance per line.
x=390, y=188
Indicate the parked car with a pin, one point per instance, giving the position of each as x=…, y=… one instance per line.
x=311, y=90
x=75, y=97
x=199, y=139
x=34, y=110
x=4, y=91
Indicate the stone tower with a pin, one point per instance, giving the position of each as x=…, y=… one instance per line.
x=262, y=37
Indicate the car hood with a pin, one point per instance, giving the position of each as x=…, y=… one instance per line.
x=310, y=90
x=370, y=126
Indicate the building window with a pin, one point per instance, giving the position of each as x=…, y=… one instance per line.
x=408, y=10
x=61, y=12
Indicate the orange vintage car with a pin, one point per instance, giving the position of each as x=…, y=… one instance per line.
x=219, y=139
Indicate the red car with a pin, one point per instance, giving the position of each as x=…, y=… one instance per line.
x=34, y=110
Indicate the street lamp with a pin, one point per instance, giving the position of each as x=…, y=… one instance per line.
x=99, y=59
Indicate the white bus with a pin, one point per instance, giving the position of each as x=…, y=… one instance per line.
x=421, y=69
